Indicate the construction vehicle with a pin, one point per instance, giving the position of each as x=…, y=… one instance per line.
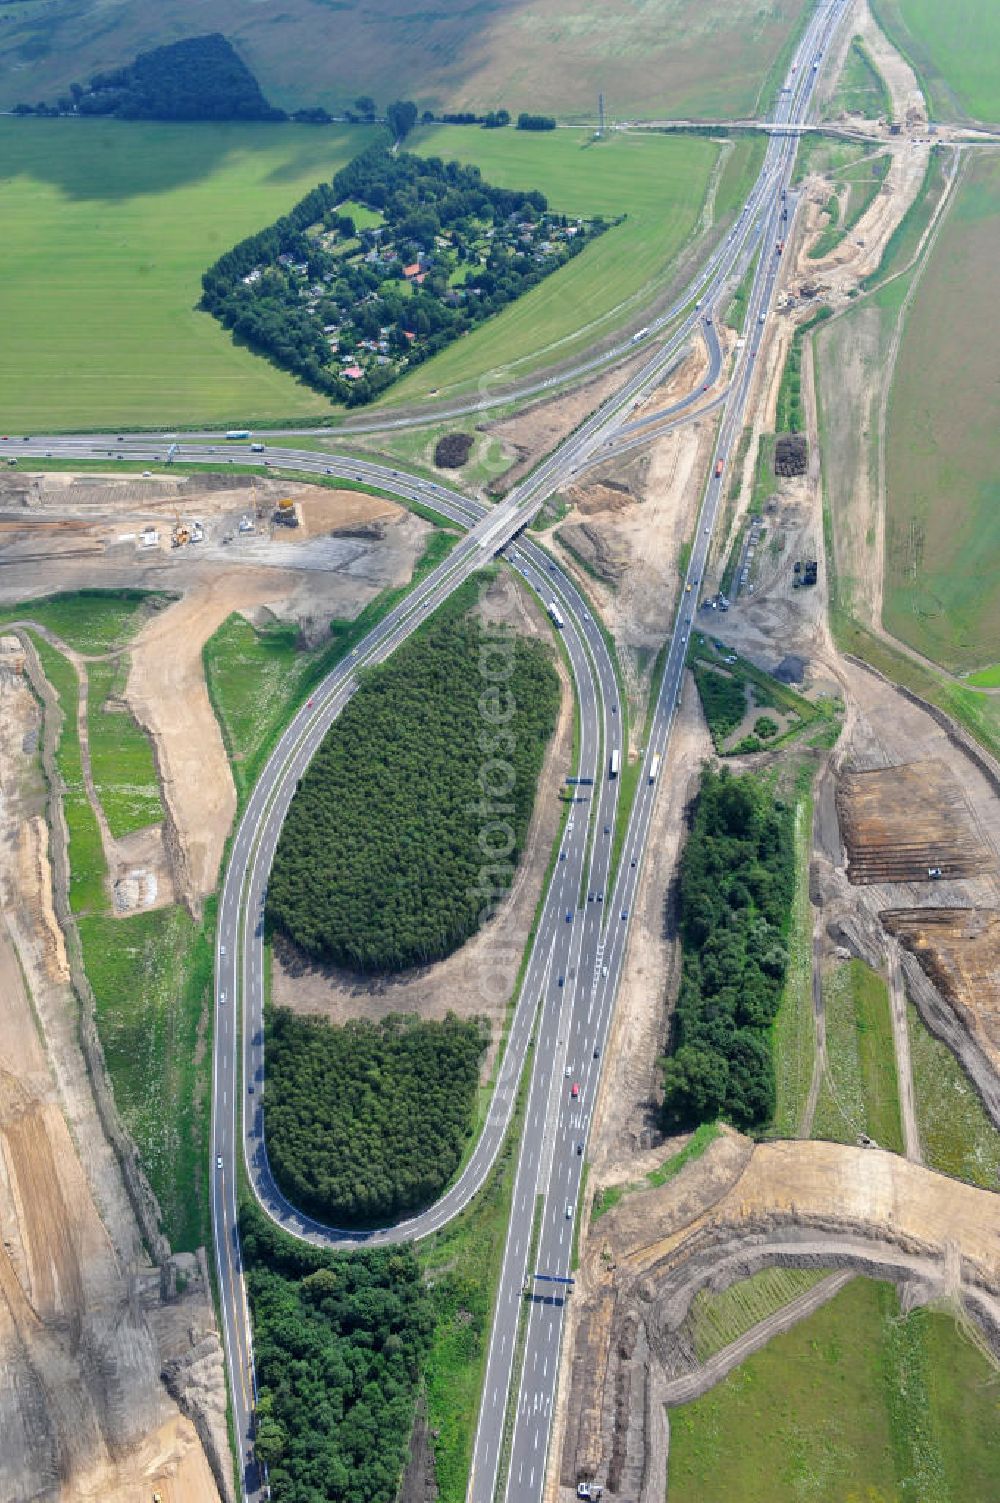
x=285, y=512
x=180, y=535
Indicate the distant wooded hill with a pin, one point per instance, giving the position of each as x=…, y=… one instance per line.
x=200, y=78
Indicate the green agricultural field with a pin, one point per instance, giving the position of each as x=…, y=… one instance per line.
x=121, y=756
x=706, y=58
x=660, y=182
x=956, y=1135
x=107, y=228
x=717, y=1320
x=860, y=1093
x=86, y=853
x=855, y=1405
x=942, y=585
x=953, y=48
x=90, y=622
x=151, y=976
x=861, y=89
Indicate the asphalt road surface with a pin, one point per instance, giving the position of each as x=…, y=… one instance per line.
x=564, y=1011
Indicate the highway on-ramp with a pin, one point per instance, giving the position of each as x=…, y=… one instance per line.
x=571, y=979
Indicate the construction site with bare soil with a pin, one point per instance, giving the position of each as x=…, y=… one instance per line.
x=114, y=1384
x=695, y=1252
x=873, y=1178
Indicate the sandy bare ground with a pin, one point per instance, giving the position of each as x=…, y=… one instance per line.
x=166, y=692
x=738, y=1208
x=816, y=1185
x=744, y=1206
x=166, y=686
x=538, y=428
x=625, y=1124
x=83, y=1412
x=478, y=980
x=82, y=530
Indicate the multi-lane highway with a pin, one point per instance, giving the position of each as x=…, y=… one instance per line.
x=571, y=980
x=554, y=1142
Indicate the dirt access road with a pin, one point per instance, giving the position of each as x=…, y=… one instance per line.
x=83, y=1412
x=349, y=546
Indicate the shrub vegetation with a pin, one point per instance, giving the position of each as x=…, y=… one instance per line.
x=723, y=698
x=368, y=1120
x=379, y=863
x=339, y=1342
x=737, y=882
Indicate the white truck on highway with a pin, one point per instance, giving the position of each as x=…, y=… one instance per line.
x=654, y=768
x=556, y=615
x=615, y=763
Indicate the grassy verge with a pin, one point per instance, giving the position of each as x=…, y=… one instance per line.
x=902, y=243
x=736, y=313
x=861, y=1092
x=151, y=975
x=788, y=411
x=861, y=89
x=857, y=1402
x=87, y=869
x=257, y=678
x=89, y=621
x=462, y=1264
x=764, y=480
x=659, y=183
x=695, y=1146
x=713, y=667
x=629, y=779
x=956, y=1135
x=793, y=1036
x=717, y=1320
x=121, y=757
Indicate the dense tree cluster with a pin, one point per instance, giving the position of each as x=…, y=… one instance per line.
x=737, y=881
x=349, y=312
x=380, y=862
x=367, y=1121
x=340, y=1341
x=199, y=78
x=535, y=122
x=723, y=699
x=492, y=120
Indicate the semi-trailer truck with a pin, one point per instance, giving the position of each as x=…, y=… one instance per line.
x=615, y=762
x=654, y=768
x=556, y=615
x=718, y=468
x=238, y=433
